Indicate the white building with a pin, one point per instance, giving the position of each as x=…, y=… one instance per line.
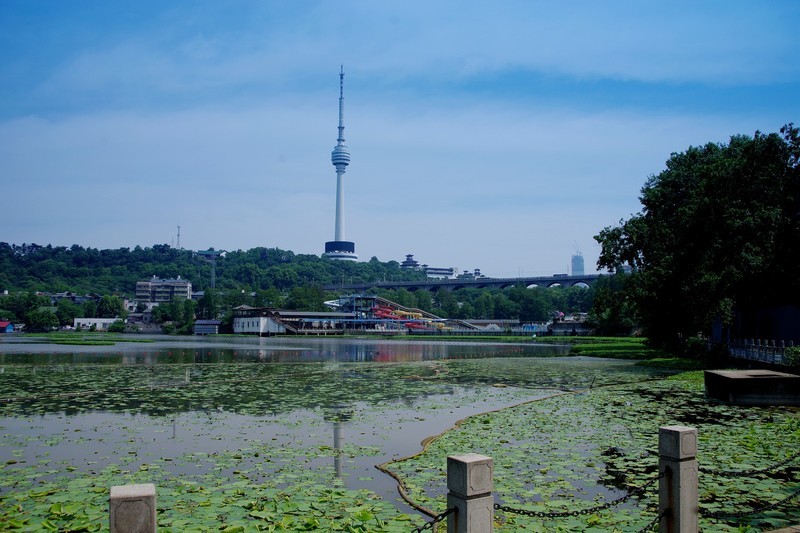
x=253, y=321
x=100, y=324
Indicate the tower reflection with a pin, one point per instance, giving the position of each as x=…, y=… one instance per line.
x=339, y=416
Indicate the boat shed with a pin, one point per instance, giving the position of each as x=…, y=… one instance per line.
x=206, y=327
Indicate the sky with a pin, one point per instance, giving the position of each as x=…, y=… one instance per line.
x=494, y=135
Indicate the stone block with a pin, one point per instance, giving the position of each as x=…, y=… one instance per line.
x=132, y=509
x=475, y=515
x=470, y=475
x=677, y=442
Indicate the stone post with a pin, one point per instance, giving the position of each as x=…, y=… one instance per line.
x=469, y=482
x=132, y=509
x=677, y=489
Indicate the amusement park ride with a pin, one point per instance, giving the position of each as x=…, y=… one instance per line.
x=409, y=319
x=377, y=311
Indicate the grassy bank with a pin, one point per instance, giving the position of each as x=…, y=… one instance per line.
x=618, y=348
x=82, y=338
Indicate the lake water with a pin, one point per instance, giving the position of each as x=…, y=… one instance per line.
x=177, y=405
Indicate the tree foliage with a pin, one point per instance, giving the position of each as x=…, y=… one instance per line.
x=68, y=311
x=43, y=319
x=613, y=312
x=260, y=277
x=31, y=267
x=176, y=316
x=21, y=306
x=718, y=232
x=110, y=307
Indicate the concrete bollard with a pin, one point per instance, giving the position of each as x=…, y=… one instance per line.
x=132, y=509
x=677, y=489
x=469, y=484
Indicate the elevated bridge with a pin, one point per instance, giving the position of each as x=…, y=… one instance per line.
x=434, y=285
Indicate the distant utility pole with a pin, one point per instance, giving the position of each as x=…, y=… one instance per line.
x=179, y=237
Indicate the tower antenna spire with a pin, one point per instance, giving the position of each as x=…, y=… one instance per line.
x=340, y=139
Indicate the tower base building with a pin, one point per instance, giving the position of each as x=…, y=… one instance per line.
x=341, y=250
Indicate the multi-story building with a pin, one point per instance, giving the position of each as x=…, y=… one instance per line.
x=163, y=290
x=577, y=265
x=439, y=272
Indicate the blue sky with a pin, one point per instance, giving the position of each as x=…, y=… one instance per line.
x=491, y=135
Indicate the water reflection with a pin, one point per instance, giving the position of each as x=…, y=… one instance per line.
x=167, y=350
x=170, y=379
x=338, y=416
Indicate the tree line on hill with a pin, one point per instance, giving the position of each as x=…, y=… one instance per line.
x=260, y=277
x=32, y=267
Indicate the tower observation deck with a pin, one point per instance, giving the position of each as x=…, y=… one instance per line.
x=339, y=248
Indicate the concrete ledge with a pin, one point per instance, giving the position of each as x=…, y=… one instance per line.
x=753, y=387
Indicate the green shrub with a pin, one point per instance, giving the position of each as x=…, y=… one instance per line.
x=792, y=356
x=117, y=326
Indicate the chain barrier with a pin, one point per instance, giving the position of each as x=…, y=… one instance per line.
x=638, y=491
x=579, y=512
x=436, y=519
x=741, y=514
x=747, y=473
x=653, y=522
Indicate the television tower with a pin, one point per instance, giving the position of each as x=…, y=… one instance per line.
x=339, y=248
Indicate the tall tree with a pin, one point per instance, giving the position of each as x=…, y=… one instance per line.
x=67, y=311
x=41, y=320
x=209, y=304
x=306, y=298
x=613, y=311
x=89, y=309
x=110, y=307
x=718, y=227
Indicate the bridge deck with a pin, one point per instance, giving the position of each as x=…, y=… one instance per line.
x=479, y=283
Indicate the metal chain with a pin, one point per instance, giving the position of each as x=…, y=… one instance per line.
x=746, y=473
x=579, y=512
x=653, y=522
x=436, y=519
x=767, y=507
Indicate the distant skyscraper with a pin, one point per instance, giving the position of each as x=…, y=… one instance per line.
x=577, y=265
x=339, y=248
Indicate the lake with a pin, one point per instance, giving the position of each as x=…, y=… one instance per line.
x=337, y=406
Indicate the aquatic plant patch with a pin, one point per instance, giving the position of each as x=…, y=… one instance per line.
x=245, y=446
x=581, y=450
x=288, y=499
